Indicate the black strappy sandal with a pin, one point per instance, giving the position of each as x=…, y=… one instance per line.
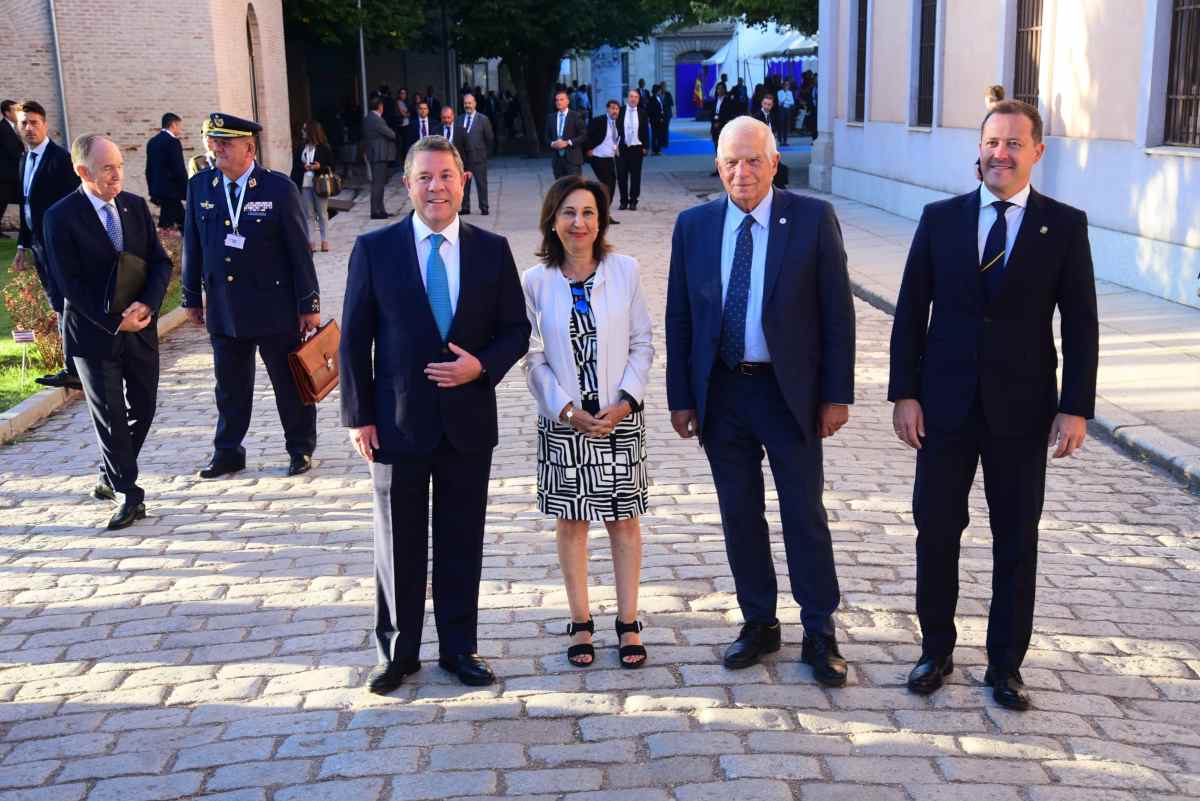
x=583, y=649
x=630, y=650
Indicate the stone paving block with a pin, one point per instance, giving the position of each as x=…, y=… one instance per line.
x=635, y=794
x=553, y=780
x=104, y=767
x=27, y=774
x=247, y=794
x=1004, y=746
x=1099, y=773
x=57, y=726
x=996, y=771
x=257, y=774
x=741, y=789
x=376, y=762
x=541, y=732
x=962, y=792
x=1079, y=794
x=147, y=788
x=609, y=752
x=296, y=723
x=57, y=792
x=843, y=722
x=225, y=753
x=482, y=709
x=669, y=771
x=477, y=756
x=882, y=770
x=69, y=746
x=606, y=727
x=772, y=766
x=902, y=743
x=853, y=792
x=344, y=790
x=557, y=705
x=1038, y=722
x=689, y=743
x=308, y=745
x=744, y=719
x=444, y=785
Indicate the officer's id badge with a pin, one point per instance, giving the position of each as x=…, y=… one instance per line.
x=204, y=204
x=235, y=241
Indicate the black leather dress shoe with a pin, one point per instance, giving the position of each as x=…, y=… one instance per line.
x=127, y=514
x=60, y=380
x=926, y=676
x=624, y=205
x=463, y=212
x=612, y=221
x=470, y=669
x=484, y=212
x=103, y=492
x=755, y=640
x=821, y=652
x=299, y=464
x=380, y=216
x=1008, y=689
x=386, y=677
x=218, y=467
x=633, y=205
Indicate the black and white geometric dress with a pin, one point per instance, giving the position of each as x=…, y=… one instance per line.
x=586, y=478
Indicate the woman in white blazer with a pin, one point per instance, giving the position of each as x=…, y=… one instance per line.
x=587, y=366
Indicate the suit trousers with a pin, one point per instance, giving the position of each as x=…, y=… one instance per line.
x=562, y=166
x=478, y=170
x=233, y=364
x=170, y=213
x=606, y=173
x=629, y=173
x=122, y=395
x=379, y=179
x=1014, y=481
x=402, y=534
x=746, y=416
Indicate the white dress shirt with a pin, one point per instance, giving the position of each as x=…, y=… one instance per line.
x=785, y=98
x=468, y=121
x=98, y=204
x=1012, y=217
x=307, y=157
x=31, y=173
x=241, y=185
x=449, y=251
x=423, y=122
x=607, y=148
x=631, y=126
x=756, y=340
x=448, y=132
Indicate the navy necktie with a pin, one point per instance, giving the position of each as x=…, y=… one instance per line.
x=733, y=318
x=991, y=266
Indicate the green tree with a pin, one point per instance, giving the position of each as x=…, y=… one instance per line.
x=799, y=14
x=533, y=36
x=386, y=23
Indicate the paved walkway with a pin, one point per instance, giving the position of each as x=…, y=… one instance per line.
x=1149, y=380
x=218, y=649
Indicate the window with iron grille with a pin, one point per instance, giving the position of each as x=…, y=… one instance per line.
x=860, y=79
x=1183, y=78
x=1029, y=51
x=925, y=63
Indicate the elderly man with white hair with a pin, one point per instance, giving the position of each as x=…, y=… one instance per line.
x=104, y=254
x=760, y=357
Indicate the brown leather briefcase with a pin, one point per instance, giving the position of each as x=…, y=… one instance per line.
x=314, y=364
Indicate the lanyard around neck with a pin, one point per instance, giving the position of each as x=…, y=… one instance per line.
x=236, y=214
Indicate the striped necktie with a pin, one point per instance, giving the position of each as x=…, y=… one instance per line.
x=113, y=227
x=991, y=267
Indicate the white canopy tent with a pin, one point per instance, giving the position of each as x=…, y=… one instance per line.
x=747, y=52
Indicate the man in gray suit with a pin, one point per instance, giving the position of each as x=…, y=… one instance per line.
x=380, y=142
x=475, y=142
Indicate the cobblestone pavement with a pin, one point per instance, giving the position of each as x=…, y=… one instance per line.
x=218, y=649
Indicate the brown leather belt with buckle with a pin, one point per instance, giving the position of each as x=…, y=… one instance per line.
x=754, y=368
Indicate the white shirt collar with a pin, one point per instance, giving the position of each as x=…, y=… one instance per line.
x=761, y=213
x=241, y=181
x=40, y=149
x=422, y=231
x=987, y=197
x=168, y=132
x=98, y=202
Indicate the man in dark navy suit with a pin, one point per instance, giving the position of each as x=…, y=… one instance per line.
x=45, y=176
x=760, y=356
x=633, y=126
x=114, y=349
x=978, y=382
x=245, y=243
x=566, y=135
x=166, y=175
x=434, y=316
x=11, y=153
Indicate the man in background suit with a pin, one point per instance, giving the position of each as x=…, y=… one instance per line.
x=633, y=125
x=476, y=145
x=166, y=175
x=380, y=143
x=421, y=127
x=114, y=349
x=248, y=276
x=566, y=135
x=980, y=383
x=650, y=102
x=11, y=151
x=418, y=391
x=767, y=114
x=449, y=129
x=46, y=176
x=603, y=142
x=760, y=356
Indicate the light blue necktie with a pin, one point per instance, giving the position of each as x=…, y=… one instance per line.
x=113, y=227
x=438, y=287
x=733, y=319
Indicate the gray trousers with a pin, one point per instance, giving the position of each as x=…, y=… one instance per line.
x=379, y=179
x=478, y=170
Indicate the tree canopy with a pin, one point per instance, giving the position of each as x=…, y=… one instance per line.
x=385, y=23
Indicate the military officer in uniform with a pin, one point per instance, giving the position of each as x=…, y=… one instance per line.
x=245, y=243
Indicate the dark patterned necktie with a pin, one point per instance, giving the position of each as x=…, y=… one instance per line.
x=733, y=317
x=991, y=266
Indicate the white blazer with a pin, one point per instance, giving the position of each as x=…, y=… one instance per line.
x=624, y=335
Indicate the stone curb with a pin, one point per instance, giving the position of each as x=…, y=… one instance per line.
x=36, y=408
x=1114, y=424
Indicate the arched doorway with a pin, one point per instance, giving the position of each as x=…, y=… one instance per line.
x=688, y=67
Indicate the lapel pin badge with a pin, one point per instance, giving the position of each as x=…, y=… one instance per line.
x=1044, y=229
x=214, y=181
x=252, y=183
x=783, y=220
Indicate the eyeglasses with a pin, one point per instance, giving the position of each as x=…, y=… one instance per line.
x=579, y=294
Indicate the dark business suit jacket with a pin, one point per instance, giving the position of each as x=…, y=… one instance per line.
x=808, y=313
x=12, y=149
x=83, y=260
x=643, y=126
x=597, y=130
x=53, y=179
x=323, y=156
x=573, y=130
x=166, y=175
x=1004, y=350
x=413, y=131
x=389, y=336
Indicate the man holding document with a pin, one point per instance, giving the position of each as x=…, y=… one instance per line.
x=105, y=256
